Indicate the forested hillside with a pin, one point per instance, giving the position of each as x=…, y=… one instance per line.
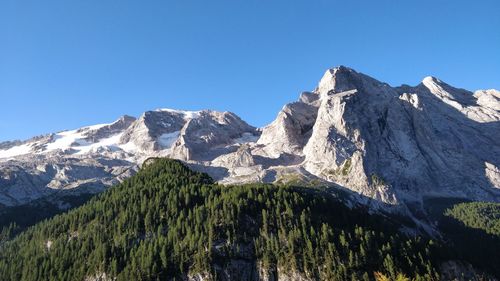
x=471, y=229
x=479, y=215
x=168, y=223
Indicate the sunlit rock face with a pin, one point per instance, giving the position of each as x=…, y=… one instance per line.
x=389, y=144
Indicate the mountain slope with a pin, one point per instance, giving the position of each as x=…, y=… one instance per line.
x=391, y=145
x=167, y=221
x=471, y=229
x=89, y=159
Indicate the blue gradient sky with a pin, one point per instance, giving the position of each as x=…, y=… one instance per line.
x=65, y=64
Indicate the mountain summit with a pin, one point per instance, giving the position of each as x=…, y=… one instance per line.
x=387, y=144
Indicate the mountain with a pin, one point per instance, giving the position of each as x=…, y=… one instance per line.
x=388, y=146
x=91, y=158
x=168, y=222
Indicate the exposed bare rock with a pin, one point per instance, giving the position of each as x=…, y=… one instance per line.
x=390, y=144
x=290, y=131
x=206, y=136
x=150, y=127
x=107, y=131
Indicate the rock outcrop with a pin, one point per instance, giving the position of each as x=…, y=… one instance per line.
x=387, y=144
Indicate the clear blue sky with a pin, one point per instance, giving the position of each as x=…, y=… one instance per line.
x=65, y=64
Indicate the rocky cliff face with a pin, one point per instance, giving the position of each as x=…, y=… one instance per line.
x=391, y=144
x=403, y=143
x=91, y=158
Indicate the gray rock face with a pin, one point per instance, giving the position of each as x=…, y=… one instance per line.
x=91, y=158
x=145, y=132
x=9, y=144
x=207, y=136
x=109, y=130
x=291, y=129
x=390, y=144
x=32, y=177
x=404, y=143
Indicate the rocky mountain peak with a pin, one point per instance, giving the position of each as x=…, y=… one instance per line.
x=447, y=93
x=389, y=143
x=94, y=134
x=431, y=80
x=386, y=144
x=341, y=79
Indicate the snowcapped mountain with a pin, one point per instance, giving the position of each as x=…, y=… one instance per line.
x=391, y=144
x=90, y=158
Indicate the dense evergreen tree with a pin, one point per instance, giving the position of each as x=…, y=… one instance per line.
x=472, y=232
x=479, y=215
x=167, y=221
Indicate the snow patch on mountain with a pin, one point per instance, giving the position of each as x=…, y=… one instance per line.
x=389, y=145
x=65, y=140
x=86, y=147
x=186, y=113
x=16, y=151
x=166, y=140
x=247, y=138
